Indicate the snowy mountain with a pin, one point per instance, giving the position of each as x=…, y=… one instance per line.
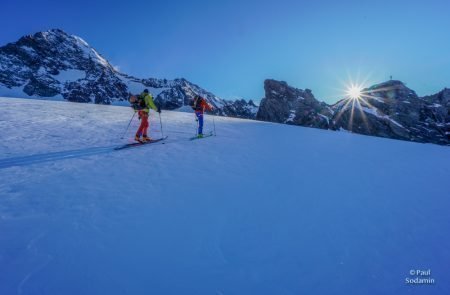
x=389, y=109
x=309, y=211
x=56, y=65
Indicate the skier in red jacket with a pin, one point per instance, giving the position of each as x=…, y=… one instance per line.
x=200, y=106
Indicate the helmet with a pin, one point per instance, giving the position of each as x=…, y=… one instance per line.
x=145, y=90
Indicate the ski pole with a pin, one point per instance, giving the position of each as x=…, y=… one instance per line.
x=214, y=124
x=160, y=123
x=128, y=125
x=196, y=128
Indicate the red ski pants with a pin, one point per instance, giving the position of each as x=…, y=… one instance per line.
x=144, y=124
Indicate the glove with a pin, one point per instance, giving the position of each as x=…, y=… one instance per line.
x=159, y=109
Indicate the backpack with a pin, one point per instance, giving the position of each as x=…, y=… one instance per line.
x=197, y=104
x=141, y=101
x=138, y=102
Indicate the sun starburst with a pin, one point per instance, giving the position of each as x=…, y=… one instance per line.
x=354, y=91
x=356, y=100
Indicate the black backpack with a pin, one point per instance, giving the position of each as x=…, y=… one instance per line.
x=141, y=101
x=139, y=104
x=196, y=103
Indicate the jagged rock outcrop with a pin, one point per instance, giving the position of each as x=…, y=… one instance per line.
x=439, y=109
x=389, y=109
x=57, y=65
x=285, y=104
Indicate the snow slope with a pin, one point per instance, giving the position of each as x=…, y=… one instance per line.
x=260, y=209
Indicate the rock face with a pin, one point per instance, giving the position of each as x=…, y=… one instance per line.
x=50, y=64
x=285, y=104
x=389, y=109
x=56, y=65
x=438, y=108
x=241, y=109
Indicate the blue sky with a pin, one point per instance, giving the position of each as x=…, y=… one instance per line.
x=230, y=47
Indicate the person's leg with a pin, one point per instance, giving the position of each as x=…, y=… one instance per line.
x=146, y=125
x=140, y=130
x=200, y=123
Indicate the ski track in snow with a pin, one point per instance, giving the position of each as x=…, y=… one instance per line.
x=260, y=208
x=63, y=155
x=51, y=157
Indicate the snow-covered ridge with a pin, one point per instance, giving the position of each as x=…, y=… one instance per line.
x=90, y=52
x=55, y=64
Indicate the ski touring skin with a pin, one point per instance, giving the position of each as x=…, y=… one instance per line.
x=136, y=144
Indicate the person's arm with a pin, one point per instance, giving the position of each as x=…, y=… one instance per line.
x=207, y=106
x=149, y=103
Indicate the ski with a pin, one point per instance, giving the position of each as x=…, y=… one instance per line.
x=204, y=136
x=136, y=144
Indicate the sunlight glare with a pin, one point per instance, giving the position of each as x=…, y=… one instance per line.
x=354, y=92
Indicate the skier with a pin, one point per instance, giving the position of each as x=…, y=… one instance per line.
x=199, y=105
x=142, y=104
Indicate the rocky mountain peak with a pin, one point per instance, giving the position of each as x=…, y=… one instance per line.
x=285, y=104
x=389, y=109
x=58, y=50
x=52, y=36
x=56, y=65
x=280, y=90
x=392, y=89
x=442, y=98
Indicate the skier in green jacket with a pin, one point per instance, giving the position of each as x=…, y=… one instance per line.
x=142, y=104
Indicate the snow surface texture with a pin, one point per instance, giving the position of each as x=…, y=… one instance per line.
x=261, y=208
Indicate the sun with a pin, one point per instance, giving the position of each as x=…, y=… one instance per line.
x=354, y=92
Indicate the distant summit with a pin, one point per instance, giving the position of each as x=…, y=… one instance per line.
x=56, y=65
x=388, y=109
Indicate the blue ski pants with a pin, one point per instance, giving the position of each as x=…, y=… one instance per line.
x=200, y=122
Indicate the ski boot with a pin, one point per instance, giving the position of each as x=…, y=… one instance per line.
x=146, y=138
